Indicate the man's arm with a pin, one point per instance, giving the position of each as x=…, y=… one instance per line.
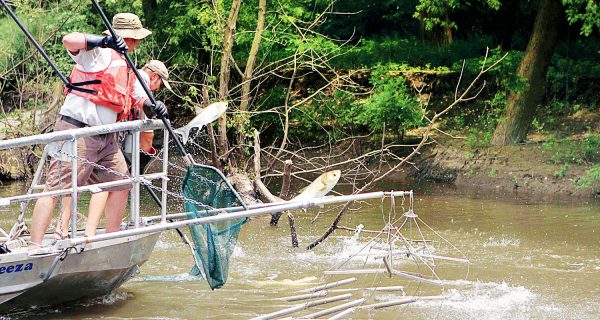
x=76, y=41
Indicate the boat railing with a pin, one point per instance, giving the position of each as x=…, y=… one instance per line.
x=69, y=150
x=149, y=226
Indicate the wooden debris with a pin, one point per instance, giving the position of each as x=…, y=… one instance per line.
x=335, y=309
x=304, y=296
x=390, y=303
x=330, y=285
x=442, y=257
x=397, y=302
x=324, y=293
x=391, y=288
x=374, y=271
x=343, y=314
x=303, y=306
x=387, y=266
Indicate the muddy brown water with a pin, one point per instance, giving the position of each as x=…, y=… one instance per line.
x=530, y=259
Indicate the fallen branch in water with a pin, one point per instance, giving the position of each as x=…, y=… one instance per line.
x=264, y=191
x=464, y=96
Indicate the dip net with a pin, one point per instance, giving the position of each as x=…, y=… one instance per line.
x=214, y=242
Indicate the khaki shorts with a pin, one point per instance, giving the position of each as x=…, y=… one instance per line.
x=101, y=149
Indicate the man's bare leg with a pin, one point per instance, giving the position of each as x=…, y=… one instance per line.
x=115, y=209
x=97, y=206
x=42, y=214
x=62, y=225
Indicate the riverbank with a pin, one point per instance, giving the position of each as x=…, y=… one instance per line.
x=525, y=168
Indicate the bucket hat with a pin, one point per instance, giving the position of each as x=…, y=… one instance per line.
x=162, y=71
x=128, y=25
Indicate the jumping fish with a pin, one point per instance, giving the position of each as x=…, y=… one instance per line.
x=321, y=186
x=207, y=115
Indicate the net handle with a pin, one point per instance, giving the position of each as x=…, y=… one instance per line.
x=187, y=157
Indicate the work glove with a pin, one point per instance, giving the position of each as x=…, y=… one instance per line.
x=160, y=109
x=117, y=44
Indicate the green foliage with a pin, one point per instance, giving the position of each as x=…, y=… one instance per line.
x=391, y=105
x=481, y=119
x=562, y=171
x=586, y=12
x=47, y=27
x=573, y=152
x=266, y=120
x=435, y=13
x=479, y=138
x=11, y=42
x=326, y=117
x=392, y=49
x=591, y=180
x=573, y=79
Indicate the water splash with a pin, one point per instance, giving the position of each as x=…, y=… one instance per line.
x=502, y=242
x=488, y=300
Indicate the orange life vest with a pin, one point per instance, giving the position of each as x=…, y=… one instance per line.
x=111, y=87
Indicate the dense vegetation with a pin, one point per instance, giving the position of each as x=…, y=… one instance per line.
x=378, y=52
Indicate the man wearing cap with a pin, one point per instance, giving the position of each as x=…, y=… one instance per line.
x=100, y=92
x=155, y=74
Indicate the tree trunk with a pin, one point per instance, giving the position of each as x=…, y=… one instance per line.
x=249, y=71
x=447, y=30
x=211, y=133
x=521, y=106
x=225, y=74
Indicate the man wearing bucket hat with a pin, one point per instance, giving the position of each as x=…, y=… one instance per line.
x=100, y=92
x=154, y=74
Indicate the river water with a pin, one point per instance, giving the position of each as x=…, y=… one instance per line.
x=529, y=259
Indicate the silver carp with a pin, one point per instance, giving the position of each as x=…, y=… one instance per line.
x=207, y=115
x=320, y=186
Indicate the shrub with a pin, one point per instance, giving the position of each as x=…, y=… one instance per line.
x=391, y=104
x=576, y=152
x=591, y=180
x=393, y=49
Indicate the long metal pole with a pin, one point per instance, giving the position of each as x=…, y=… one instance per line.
x=35, y=43
x=188, y=159
x=183, y=215
x=223, y=217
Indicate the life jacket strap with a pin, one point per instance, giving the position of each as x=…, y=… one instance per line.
x=77, y=86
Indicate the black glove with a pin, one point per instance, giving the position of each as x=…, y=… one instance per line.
x=160, y=109
x=151, y=109
x=117, y=44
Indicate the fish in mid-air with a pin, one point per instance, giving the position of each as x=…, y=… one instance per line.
x=207, y=115
x=321, y=186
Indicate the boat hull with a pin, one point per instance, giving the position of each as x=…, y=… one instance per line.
x=99, y=269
